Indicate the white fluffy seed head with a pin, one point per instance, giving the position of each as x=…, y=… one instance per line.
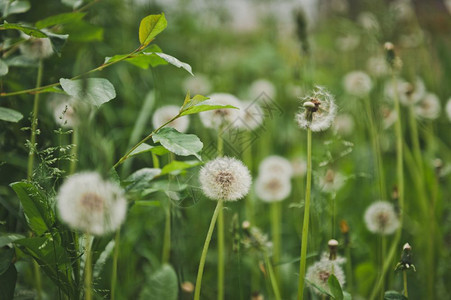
x=428, y=107
x=408, y=93
x=321, y=116
x=299, y=166
x=331, y=181
x=448, y=109
x=389, y=116
x=36, y=48
x=198, y=84
x=377, y=66
x=319, y=273
x=87, y=203
x=221, y=117
x=272, y=188
x=166, y=113
x=262, y=87
x=380, y=217
x=251, y=115
x=406, y=247
x=357, y=83
x=225, y=178
x=277, y=166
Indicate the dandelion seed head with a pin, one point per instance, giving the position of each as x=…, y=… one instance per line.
x=260, y=87
x=428, y=107
x=347, y=42
x=377, y=66
x=321, y=116
x=380, y=217
x=448, y=109
x=251, y=115
x=331, y=181
x=225, y=178
x=408, y=93
x=276, y=165
x=368, y=21
x=224, y=116
x=197, y=85
x=36, y=48
x=165, y=114
x=87, y=203
x=318, y=274
x=272, y=188
x=357, y=83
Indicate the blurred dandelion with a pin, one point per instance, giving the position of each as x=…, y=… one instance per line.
x=357, y=83
x=428, y=107
x=272, y=188
x=165, y=113
x=220, y=117
x=277, y=166
x=380, y=217
x=36, y=48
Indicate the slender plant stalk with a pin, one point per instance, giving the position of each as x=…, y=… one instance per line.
x=205, y=250
x=276, y=236
x=88, y=268
x=400, y=177
x=272, y=277
x=415, y=139
x=167, y=235
x=73, y=151
x=247, y=159
x=404, y=277
x=349, y=275
x=306, y=217
x=220, y=231
x=117, y=239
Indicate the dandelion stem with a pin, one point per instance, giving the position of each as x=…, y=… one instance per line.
x=415, y=139
x=205, y=249
x=272, y=277
x=73, y=152
x=404, y=277
x=306, y=216
x=220, y=231
x=349, y=269
x=88, y=268
x=247, y=159
x=276, y=238
x=115, y=257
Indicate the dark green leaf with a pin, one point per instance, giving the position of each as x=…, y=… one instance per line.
x=150, y=27
x=10, y=115
x=25, y=29
x=141, y=178
x=161, y=285
x=8, y=283
x=335, y=288
x=393, y=295
x=60, y=19
x=37, y=210
x=3, y=68
x=6, y=257
x=140, y=59
x=95, y=91
x=178, y=143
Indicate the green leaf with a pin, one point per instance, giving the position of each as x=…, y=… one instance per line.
x=347, y=296
x=8, y=238
x=143, y=148
x=37, y=210
x=6, y=257
x=150, y=27
x=58, y=41
x=60, y=19
x=147, y=203
x=25, y=29
x=140, y=59
x=3, y=68
x=178, y=143
x=204, y=107
x=162, y=285
x=95, y=91
x=81, y=31
x=141, y=178
x=319, y=288
x=10, y=115
x=175, y=166
x=365, y=273
x=8, y=283
x=394, y=295
x=172, y=60
x=15, y=7
x=335, y=287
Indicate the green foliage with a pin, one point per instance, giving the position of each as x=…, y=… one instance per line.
x=60, y=19
x=25, y=29
x=8, y=282
x=150, y=27
x=94, y=91
x=3, y=68
x=161, y=285
x=335, y=287
x=10, y=115
x=393, y=295
x=178, y=143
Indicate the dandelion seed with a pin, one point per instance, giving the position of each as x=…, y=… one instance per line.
x=347, y=42
x=272, y=188
x=277, y=166
x=87, y=203
x=318, y=274
x=428, y=107
x=225, y=178
x=36, y=48
x=368, y=21
x=221, y=117
x=262, y=87
x=165, y=113
x=332, y=181
x=318, y=110
x=357, y=83
x=380, y=217
x=198, y=84
x=389, y=117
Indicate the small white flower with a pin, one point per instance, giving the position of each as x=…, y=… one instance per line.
x=344, y=124
x=408, y=93
x=331, y=181
x=377, y=66
x=429, y=107
x=299, y=166
x=320, y=116
x=251, y=115
x=448, y=109
x=36, y=48
x=380, y=217
x=277, y=166
x=165, y=114
x=319, y=273
x=198, y=84
x=357, y=83
x=262, y=87
x=225, y=178
x=272, y=188
x=87, y=203
x=221, y=117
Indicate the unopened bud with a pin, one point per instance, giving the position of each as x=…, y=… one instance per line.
x=407, y=247
x=333, y=244
x=246, y=225
x=187, y=287
x=309, y=104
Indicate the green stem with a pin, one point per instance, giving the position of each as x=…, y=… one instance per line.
x=306, y=217
x=220, y=231
x=404, y=277
x=272, y=277
x=205, y=250
x=276, y=235
x=415, y=139
x=247, y=159
x=73, y=152
x=117, y=239
x=88, y=268
x=167, y=235
x=349, y=269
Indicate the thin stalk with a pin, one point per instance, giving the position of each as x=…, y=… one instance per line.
x=306, y=217
x=349, y=276
x=404, y=277
x=276, y=235
x=205, y=250
x=73, y=151
x=220, y=231
x=167, y=235
x=415, y=139
x=117, y=239
x=88, y=268
x=272, y=277
x=247, y=159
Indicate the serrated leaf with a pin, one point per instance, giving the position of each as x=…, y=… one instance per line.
x=150, y=27
x=162, y=285
x=10, y=115
x=334, y=287
x=37, y=210
x=175, y=166
x=95, y=91
x=178, y=143
x=3, y=68
x=25, y=29
x=394, y=295
x=172, y=60
x=60, y=19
